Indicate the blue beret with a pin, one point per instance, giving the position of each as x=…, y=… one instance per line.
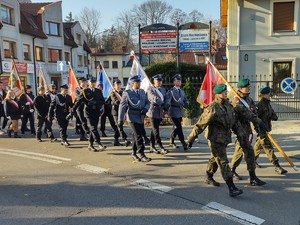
x=93, y=79
x=265, y=90
x=220, y=88
x=117, y=81
x=243, y=83
x=65, y=86
x=157, y=77
x=177, y=77
x=82, y=79
x=136, y=78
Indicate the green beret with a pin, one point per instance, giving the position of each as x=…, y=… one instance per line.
x=220, y=88
x=243, y=83
x=265, y=90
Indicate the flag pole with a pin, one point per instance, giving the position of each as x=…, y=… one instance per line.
x=268, y=134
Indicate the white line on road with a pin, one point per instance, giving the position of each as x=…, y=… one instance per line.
x=159, y=188
x=92, y=169
x=232, y=214
x=31, y=157
x=36, y=154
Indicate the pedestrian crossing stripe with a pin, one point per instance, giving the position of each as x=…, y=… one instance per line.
x=159, y=188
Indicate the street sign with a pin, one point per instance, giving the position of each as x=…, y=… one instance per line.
x=194, y=39
x=61, y=66
x=288, y=85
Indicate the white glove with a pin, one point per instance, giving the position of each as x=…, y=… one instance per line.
x=27, y=103
x=8, y=117
x=31, y=110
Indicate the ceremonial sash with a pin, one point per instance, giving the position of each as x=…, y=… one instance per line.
x=158, y=93
x=29, y=99
x=14, y=103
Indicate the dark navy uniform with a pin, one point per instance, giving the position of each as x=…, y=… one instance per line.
x=2, y=112
x=108, y=113
x=26, y=103
x=81, y=121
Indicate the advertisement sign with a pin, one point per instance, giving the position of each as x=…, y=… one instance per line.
x=194, y=40
x=21, y=67
x=158, y=42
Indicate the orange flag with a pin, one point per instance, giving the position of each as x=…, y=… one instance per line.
x=73, y=83
x=42, y=79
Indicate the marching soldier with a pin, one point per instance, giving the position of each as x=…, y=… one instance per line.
x=42, y=104
x=2, y=112
x=136, y=104
x=158, y=98
x=266, y=113
x=115, y=102
x=26, y=103
x=93, y=99
x=81, y=122
x=245, y=116
x=220, y=119
x=61, y=105
x=177, y=101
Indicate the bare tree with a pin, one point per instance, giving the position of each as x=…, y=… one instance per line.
x=90, y=22
x=127, y=26
x=178, y=16
x=152, y=11
x=196, y=16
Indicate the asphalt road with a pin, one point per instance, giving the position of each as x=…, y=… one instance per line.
x=46, y=183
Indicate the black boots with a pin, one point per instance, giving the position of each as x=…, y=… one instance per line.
x=127, y=143
x=16, y=135
x=83, y=138
x=233, y=190
x=65, y=143
x=254, y=180
x=210, y=180
x=278, y=168
x=9, y=133
x=117, y=143
x=172, y=143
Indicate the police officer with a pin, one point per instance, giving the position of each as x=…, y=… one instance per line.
x=245, y=116
x=26, y=103
x=220, y=119
x=136, y=104
x=177, y=101
x=61, y=105
x=266, y=113
x=42, y=104
x=157, y=96
x=2, y=112
x=116, y=96
x=93, y=100
x=81, y=122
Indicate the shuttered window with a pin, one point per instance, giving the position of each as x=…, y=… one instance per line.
x=283, y=17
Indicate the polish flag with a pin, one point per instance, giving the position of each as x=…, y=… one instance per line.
x=14, y=80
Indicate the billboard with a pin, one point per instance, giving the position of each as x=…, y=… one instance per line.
x=159, y=42
x=194, y=39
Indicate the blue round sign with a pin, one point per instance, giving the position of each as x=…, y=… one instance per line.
x=288, y=85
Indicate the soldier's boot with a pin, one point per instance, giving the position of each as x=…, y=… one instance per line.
x=101, y=146
x=233, y=190
x=153, y=149
x=16, y=135
x=92, y=148
x=172, y=143
x=235, y=174
x=278, y=168
x=254, y=180
x=117, y=143
x=163, y=150
x=9, y=133
x=83, y=138
x=210, y=180
x=185, y=146
x=127, y=143
x=64, y=142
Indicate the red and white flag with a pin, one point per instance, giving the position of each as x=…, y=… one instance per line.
x=14, y=81
x=42, y=79
x=73, y=84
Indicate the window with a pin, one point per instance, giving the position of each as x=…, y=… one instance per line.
x=123, y=63
x=281, y=70
x=97, y=63
x=10, y=49
x=52, y=28
x=115, y=64
x=67, y=57
x=39, y=54
x=54, y=55
x=7, y=15
x=85, y=61
x=26, y=52
x=79, y=59
x=78, y=39
x=283, y=16
x=106, y=64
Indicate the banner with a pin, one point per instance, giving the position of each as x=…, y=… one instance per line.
x=42, y=79
x=14, y=80
x=159, y=42
x=73, y=83
x=103, y=82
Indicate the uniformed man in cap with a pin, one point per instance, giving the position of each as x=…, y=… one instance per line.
x=81, y=122
x=93, y=100
x=60, y=107
x=220, y=119
x=177, y=101
x=52, y=91
x=136, y=104
x=157, y=96
x=42, y=104
x=116, y=96
x=2, y=112
x=266, y=113
x=245, y=116
x=27, y=108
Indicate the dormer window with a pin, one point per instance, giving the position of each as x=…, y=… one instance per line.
x=52, y=28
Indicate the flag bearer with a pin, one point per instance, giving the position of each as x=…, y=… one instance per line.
x=26, y=103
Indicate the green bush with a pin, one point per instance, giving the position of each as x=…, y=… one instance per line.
x=191, y=92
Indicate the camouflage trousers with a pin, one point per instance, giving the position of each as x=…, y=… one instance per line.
x=263, y=142
x=219, y=159
x=245, y=149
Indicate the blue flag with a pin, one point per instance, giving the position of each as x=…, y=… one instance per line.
x=104, y=83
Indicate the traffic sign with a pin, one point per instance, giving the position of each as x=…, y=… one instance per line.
x=61, y=66
x=288, y=85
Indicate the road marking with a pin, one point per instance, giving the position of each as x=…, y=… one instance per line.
x=232, y=214
x=31, y=157
x=36, y=154
x=159, y=188
x=92, y=169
